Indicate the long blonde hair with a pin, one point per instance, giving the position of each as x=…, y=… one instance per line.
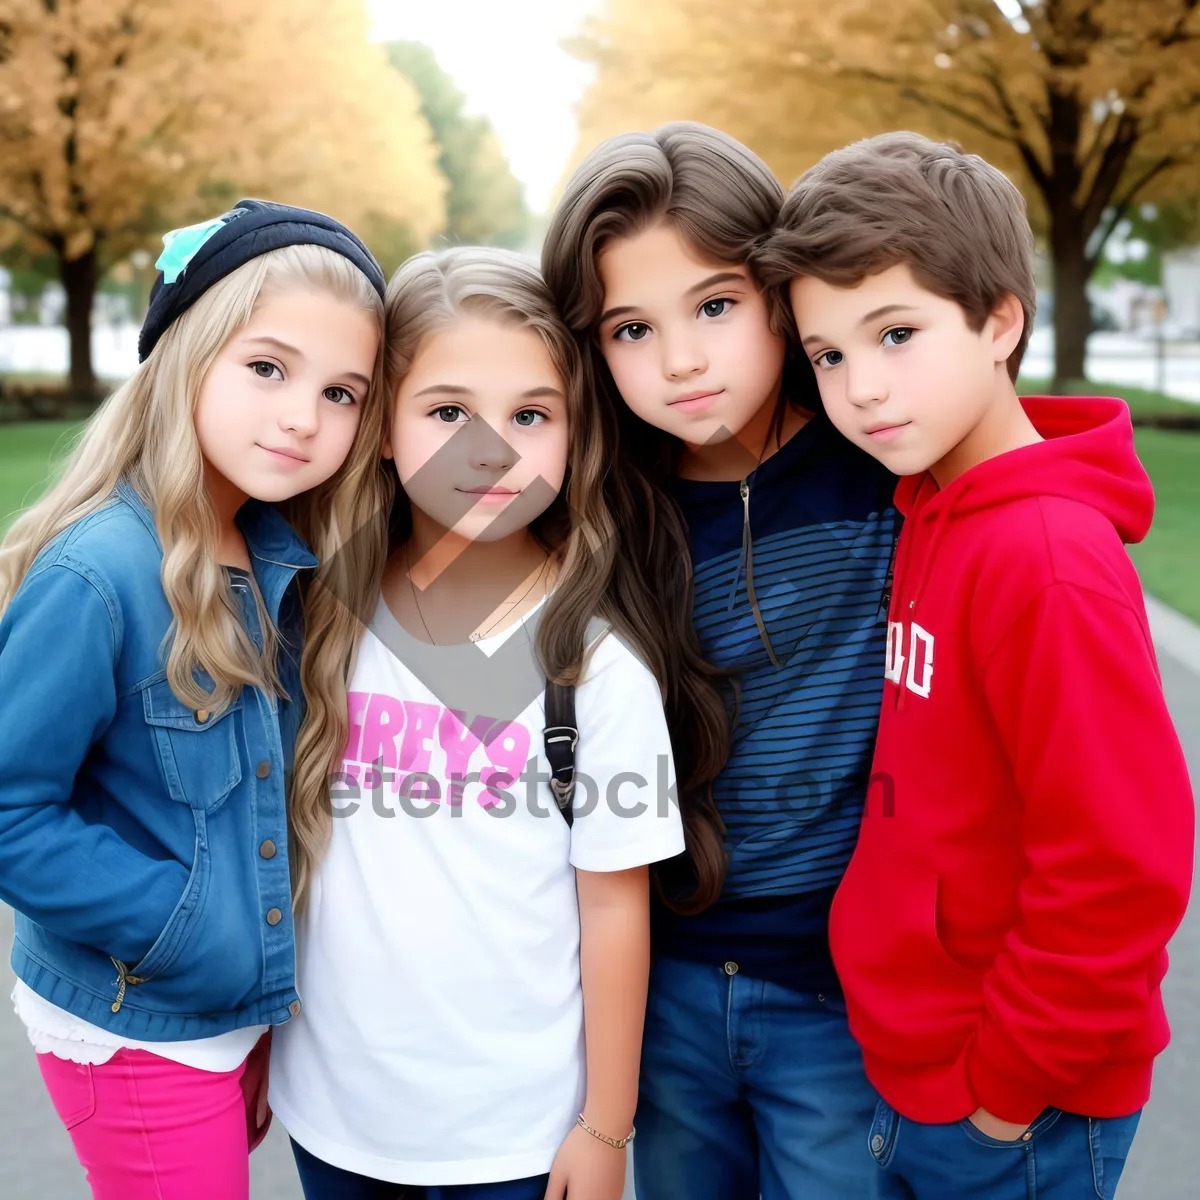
x=597, y=574
x=145, y=433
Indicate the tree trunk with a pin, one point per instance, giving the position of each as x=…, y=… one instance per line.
x=1072, y=312
x=79, y=281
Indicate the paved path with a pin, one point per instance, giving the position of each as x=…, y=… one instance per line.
x=36, y=1161
x=1125, y=358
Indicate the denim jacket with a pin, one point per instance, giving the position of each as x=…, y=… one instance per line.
x=143, y=845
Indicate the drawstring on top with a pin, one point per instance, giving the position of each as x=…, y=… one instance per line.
x=748, y=557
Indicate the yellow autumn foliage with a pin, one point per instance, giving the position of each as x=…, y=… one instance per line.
x=1091, y=106
x=120, y=119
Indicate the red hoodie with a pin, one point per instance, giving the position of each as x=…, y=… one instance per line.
x=1027, y=848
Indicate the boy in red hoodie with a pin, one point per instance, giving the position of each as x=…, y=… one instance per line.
x=1027, y=851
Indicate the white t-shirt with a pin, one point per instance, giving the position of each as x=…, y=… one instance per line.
x=53, y=1030
x=441, y=1041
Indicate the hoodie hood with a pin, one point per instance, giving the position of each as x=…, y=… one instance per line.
x=1088, y=455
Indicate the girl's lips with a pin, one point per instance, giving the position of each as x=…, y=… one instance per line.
x=489, y=495
x=696, y=401
x=288, y=457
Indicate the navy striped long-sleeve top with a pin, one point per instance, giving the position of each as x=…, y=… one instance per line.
x=822, y=529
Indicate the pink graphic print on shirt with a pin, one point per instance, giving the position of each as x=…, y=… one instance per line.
x=410, y=745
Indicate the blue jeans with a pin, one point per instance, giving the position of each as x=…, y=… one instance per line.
x=321, y=1181
x=1063, y=1157
x=749, y=1089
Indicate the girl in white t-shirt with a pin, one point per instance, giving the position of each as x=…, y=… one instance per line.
x=473, y=967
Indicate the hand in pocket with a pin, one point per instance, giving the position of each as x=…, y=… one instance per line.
x=1002, y=1131
x=255, y=1079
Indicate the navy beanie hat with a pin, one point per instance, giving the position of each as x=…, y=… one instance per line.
x=197, y=257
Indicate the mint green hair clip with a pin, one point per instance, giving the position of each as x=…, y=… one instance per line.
x=180, y=246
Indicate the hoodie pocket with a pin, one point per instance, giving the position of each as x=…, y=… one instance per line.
x=953, y=970
x=914, y=1002
x=196, y=748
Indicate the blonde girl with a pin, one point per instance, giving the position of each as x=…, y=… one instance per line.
x=153, y=608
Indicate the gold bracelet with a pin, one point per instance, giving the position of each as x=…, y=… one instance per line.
x=613, y=1142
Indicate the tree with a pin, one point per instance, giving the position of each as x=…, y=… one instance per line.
x=122, y=119
x=28, y=275
x=485, y=204
x=1092, y=106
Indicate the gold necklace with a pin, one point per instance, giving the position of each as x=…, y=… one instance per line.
x=474, y=637
x=413, y=587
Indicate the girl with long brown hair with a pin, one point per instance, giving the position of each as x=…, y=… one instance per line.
x=751, y=1083
x=474, y=965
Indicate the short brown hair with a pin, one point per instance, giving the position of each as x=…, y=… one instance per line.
x=957, y=222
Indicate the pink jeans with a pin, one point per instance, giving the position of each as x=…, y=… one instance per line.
x=148, y=1129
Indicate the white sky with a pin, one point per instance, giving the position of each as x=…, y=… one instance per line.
x=506, y=57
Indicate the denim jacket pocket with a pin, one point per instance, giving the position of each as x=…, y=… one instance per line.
x=198, y=749
x=159, y=958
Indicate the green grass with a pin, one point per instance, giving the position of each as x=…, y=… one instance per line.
x=54, y=377
x=28, y=452
x=1169, y=559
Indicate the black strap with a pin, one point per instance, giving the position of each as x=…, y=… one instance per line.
x=560, y=738
x=885, y=598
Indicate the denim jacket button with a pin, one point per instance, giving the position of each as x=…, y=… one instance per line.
x=731, y=968
x=877, y=1143
x=263, y=770
x=274, y=917
x=294, y=1008
x=267, y=849
x=202, y=715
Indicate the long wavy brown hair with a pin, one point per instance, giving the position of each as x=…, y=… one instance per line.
x=598, y=575
x=724, y=201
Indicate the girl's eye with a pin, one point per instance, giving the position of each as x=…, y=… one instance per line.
x=898, y=336
x=831, y=358
x=527, y=418
x=339, y=395
x=266, y=370
x=716, y=308
x=635, y=331
x=449, y=413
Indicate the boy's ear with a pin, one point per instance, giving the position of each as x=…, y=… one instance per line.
x=1007, y=324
